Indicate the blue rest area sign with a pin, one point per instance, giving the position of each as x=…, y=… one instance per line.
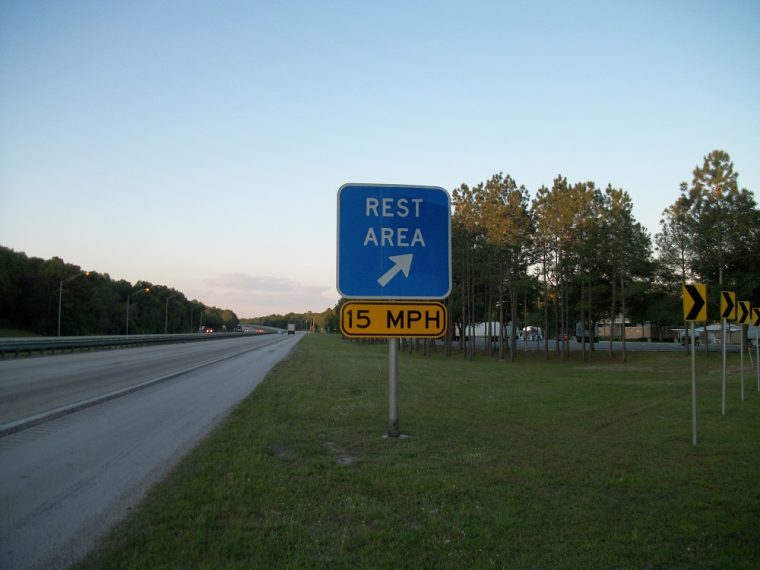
x=394, y=242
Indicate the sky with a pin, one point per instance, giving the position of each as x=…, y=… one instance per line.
x=201, y=144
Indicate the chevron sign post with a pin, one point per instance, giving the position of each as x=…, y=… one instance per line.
x=727, y=311
x=756, y=324
x=743, y=317
x=694, y=309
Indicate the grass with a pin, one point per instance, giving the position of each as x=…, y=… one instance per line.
x=509, y=465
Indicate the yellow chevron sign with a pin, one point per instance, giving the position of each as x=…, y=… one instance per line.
x=743, y=313
x=728, y=305
x=695, y=302
x=756, y=316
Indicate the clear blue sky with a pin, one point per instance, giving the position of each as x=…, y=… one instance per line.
x=201, y=145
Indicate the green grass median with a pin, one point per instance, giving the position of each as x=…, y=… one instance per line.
x=530, y=464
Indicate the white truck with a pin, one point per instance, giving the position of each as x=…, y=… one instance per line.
x=291, y=328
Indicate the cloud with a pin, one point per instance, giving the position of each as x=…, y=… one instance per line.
x=252, y=295
x=252, y=283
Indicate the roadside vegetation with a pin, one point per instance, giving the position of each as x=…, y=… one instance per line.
x=92, y=303
x=15, y=333
x=530, y=464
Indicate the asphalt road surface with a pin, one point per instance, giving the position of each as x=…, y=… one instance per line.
x=65, y=482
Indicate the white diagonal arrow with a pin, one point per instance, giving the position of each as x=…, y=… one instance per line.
x=400, y=263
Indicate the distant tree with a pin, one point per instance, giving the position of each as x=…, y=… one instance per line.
x=467, y=260
x=630, y=252
x=543, y=243
x=507, y=224
x=675, y=250
x=674, y=243
x=331, y=322
x=562, y=217
x=719, y=216
x=11, y=271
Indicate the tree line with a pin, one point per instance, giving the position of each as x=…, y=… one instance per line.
x=92, y=303
x=576, y=254
x=326, y=321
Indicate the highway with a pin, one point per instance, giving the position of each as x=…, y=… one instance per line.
x=93, y=432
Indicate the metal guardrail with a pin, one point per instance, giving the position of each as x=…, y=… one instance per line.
x=18, y=346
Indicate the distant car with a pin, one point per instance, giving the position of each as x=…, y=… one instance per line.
x=205, y=330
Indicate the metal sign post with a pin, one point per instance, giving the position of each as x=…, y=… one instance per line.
x=727, y=311
x=723, y=407
x=741, y=361
x=756, y=324
x=694, y=309
x=393, y=425
x=393, y=319
x=693, y=388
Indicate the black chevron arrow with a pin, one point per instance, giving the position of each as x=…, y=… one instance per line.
x=756, y=316
x=699, y=302
x=730, y=304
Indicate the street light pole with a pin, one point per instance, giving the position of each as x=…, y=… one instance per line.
x=166, y=314
x=141, y=290
x=192, y=308
x=60, y=294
